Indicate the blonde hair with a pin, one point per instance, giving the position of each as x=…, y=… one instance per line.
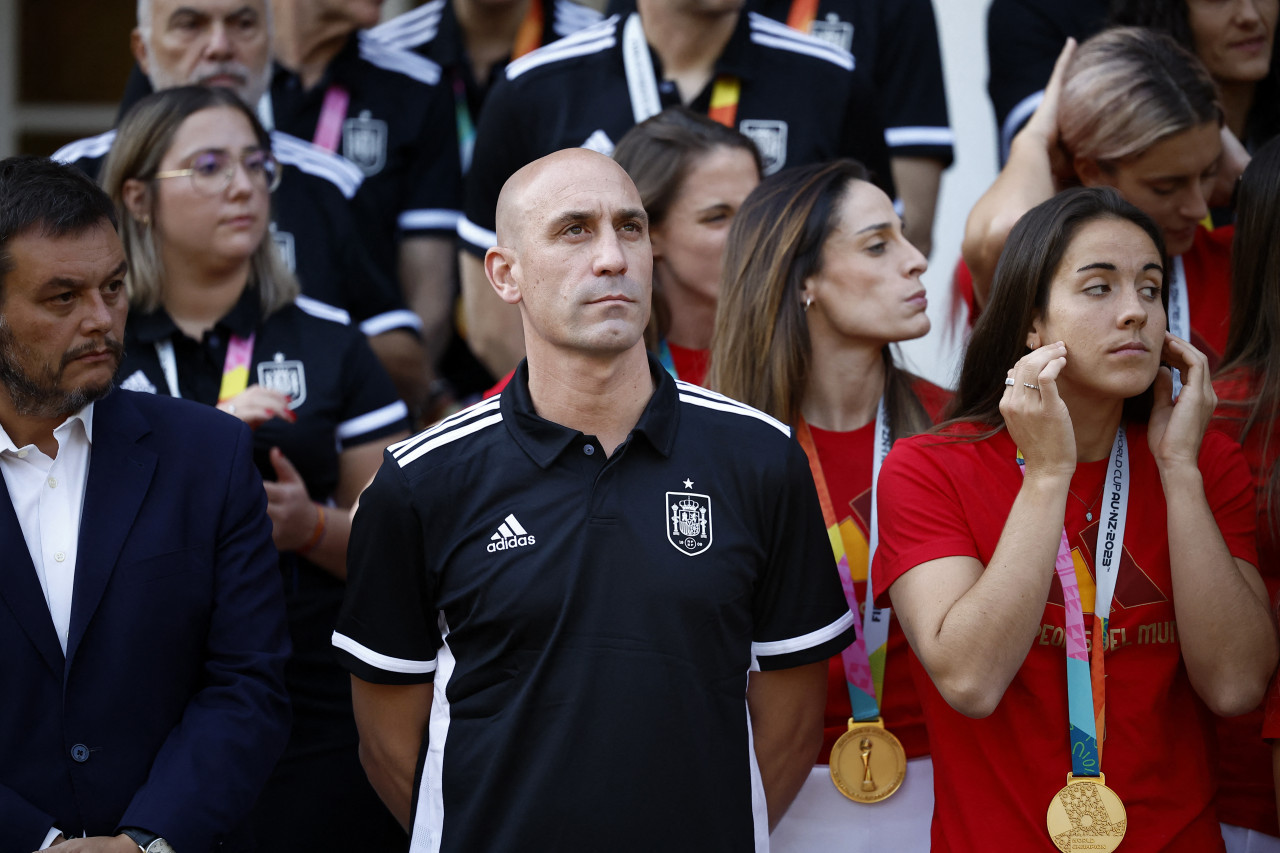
x=143, y=139
x=1129, y=88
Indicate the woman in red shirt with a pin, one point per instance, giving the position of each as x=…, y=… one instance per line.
x=819, y=282
x=1071, y=483
x=1248, y=388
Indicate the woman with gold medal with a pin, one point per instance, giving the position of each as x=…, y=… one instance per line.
x=818, y=283
x=1072, y=557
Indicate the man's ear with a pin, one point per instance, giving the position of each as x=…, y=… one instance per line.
x=499, y=266
x=139, y=48
x=137, y=200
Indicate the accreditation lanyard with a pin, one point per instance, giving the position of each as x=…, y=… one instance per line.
x=642, y=80
x=528, y=39
x=235, y=367
x=864, y=660
x=802, y=14
x=1086, y=671
x=332, y=113
x=1179, y=312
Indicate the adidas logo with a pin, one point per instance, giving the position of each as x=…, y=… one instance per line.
x=510, y=535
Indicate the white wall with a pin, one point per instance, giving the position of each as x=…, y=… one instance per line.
x=962, y=31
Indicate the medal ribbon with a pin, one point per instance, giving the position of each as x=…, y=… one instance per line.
x=235, y=367
x=332, y=112
x=642, y=80
x=863, y=669
x=1086, y=668
x=802, y=14
x=1179, y=312
x=664, y=358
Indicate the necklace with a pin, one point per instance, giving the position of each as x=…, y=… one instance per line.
x=1088, y=507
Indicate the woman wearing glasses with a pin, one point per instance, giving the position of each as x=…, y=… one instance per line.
x=216, y=318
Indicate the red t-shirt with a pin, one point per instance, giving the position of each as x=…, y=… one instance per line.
x=994, y=777
x=1207, y=265
x=1247, y=792
x=847, y=459
x=691, y=364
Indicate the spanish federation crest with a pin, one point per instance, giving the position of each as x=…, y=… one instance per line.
x=364, y=142
x=689, y=522
x=833, y=31
x=286, y=376
x=771, y=138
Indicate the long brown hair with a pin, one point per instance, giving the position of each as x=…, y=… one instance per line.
x=761, y=353
x=658, y=154
x=1020, y=293
x=1255, y=307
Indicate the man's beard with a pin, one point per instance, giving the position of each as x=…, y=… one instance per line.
x=40, y=396
x=250, y=90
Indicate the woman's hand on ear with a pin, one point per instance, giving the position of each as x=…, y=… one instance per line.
x=1036, y=417
x=1177, y=427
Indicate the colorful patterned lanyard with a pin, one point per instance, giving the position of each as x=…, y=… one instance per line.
x=528, y=39
x=666, y=360
x=642, y=80
x=235, y=368
x=1086, y=670
x=863, y=669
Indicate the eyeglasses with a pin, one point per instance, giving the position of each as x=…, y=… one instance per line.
x=212, y=171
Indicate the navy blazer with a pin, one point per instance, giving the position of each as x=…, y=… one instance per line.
x=168, y=710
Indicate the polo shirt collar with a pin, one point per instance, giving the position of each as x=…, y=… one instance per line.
x=734, y=60
x=243, y=318
x=545, y=440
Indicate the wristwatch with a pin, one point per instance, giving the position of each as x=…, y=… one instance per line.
x=148, y=842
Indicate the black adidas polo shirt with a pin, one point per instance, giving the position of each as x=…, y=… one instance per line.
x=398, y=129
x=590, y=623
x=311, y=224
x=342, y=396
x=896, y=42
x=802, y=101
x=432, y=30
x=1024, y=38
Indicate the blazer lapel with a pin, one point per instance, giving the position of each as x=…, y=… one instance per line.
x=120, y=472
x=20, y=588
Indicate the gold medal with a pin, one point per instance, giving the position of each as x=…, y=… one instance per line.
x=1086, y=815
x=868, y=763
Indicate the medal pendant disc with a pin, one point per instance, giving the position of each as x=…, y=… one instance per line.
x=868, y=763
x=1086, y=815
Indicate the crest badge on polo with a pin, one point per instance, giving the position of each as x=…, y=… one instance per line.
x=688, y=521
x=287, y=376
x=771, y=138
x=364, y=142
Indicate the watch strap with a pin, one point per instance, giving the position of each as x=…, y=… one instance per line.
x=140, y=837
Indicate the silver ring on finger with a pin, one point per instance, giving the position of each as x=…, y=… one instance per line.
x=1029, y=385
x=1008, y=380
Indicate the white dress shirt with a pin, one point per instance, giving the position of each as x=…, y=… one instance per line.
x=48, y=496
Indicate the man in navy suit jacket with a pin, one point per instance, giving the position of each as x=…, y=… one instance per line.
x=142, y=630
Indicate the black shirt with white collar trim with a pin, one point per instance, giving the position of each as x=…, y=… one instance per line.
x=591, y=620
x=802, y=101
